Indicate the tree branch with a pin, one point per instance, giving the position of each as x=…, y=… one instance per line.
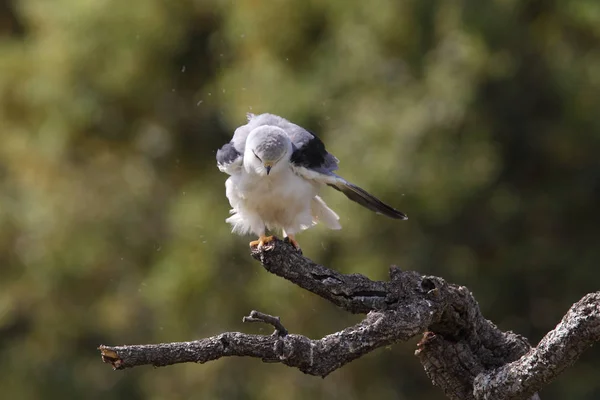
x=559, y=349
x=314, y=357
x=257, y=316
x=462, y=352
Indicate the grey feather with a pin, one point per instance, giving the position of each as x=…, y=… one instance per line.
x=227, y=154
x=366, y=199
x=309, y=150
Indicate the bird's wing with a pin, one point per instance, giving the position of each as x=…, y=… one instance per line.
x=311, y=160
x=365, y=199
x=351, y=191
x=230, y=157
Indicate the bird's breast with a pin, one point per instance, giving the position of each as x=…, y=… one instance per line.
x=276, y=198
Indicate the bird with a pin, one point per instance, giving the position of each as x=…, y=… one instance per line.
x=276, y=169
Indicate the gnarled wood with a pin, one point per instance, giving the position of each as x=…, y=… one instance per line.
x=461, y=351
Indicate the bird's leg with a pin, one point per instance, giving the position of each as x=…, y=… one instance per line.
x=262, y=241
x=293, y=242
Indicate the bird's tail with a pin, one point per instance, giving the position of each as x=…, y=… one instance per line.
x=365, y=199
x=324, y=214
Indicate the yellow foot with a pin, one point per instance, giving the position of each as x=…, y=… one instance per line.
x=294, y=242
x=262, y=241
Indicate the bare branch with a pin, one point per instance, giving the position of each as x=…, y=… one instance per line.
x=354, y=293
x=257, y=316
x=559, y=349
x=314, y=357
x=462, y=352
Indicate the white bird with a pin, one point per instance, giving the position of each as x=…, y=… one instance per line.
x=276, y=169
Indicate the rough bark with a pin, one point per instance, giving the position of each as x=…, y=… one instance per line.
x=463, y=353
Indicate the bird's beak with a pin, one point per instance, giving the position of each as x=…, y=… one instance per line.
x=268, y=168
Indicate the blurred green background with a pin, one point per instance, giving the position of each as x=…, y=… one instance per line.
x=480, y=120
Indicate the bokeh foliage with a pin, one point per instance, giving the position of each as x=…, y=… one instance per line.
x=477, y=119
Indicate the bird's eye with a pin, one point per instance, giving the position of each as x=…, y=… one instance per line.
x=257, y=156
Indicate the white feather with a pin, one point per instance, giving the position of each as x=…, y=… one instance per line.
x=281, y=201
x=324, y=214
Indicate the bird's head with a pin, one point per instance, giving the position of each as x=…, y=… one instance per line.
x=267, y=149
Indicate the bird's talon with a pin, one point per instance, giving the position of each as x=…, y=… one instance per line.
x=291, y=240
x=262, y=241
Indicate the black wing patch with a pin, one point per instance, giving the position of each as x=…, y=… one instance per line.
x=311, y=155
x=227, y=154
